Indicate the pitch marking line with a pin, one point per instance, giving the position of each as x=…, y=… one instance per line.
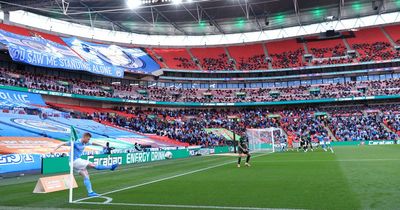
x=343, y=160
x=182, y=206
x=163, y=179
x=108, y=199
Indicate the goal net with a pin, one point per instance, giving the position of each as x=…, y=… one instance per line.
x=268, y=139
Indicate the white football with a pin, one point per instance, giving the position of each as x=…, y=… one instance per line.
x=168, y=155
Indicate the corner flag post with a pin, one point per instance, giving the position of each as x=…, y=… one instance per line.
x=273, y=141
x=73, y=138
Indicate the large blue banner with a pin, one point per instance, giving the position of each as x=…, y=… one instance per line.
x=19, y=162
x=41, y=52
x=128, y=59
x=12, y=98
x=44, y=127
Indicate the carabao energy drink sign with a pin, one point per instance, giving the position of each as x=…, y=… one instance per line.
x=126, y=158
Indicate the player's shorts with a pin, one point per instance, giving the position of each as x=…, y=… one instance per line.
x=243, y=152
x=80, y=164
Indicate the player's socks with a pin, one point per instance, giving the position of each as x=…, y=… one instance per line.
x=101, y=167
x=88, y=184
x=332, y=150
x=239, y=159
x=248, y=159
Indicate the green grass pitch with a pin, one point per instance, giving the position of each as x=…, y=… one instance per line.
x=365, y=177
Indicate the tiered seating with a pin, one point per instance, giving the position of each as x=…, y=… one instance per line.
x=125, y=91
x=15, y=29
x=249, y=57
x=95, y=127
x=327, y=52
x=113, y=124
x=372, y=45
x=346, y=123
x=327, y=48
x=286, y=54
x=212, y=58
x=391, y=117
x=68, y=107
x=337, y=90
x=88, y=110
x=167, y=140
x=394, y=32
x=153, y=55
x=357, y=128
x=300, y=122
x=177, y=58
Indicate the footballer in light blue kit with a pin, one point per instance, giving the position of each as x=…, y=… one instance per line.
x=327, y=143
x=321, y=140
x=283, y=144
x=80, y=164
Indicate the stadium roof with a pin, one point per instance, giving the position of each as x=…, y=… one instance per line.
x=201, y=17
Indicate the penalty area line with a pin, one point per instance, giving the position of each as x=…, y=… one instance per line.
x=182, y=206
x=162, y=179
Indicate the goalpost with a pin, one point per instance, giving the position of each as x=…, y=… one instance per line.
x=267, y=139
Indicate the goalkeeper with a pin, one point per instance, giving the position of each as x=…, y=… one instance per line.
x=243, y=150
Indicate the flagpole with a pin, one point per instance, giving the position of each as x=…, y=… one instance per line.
x=71, y=163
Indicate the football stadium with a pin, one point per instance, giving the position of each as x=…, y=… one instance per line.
x=199, y=104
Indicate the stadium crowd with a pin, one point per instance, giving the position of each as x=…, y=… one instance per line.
x=96, y=88
x=341, y=124
x=355, y=123
x=326, y=52
x=221, y=62
x=298, y=123
x=360, y=128
x=185, y=63
x=365, y=52
x=391, y=117
x=332, y=61
x=253, y=62
x=189, y=125
x=288, y=59
x=376, y=51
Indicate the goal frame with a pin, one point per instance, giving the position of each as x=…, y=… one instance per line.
x=253, y=145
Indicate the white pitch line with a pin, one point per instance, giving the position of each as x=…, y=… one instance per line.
x=163, y=179
x=32, y=208
x=183, y=206
x=108, y=199
x=343, y=160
